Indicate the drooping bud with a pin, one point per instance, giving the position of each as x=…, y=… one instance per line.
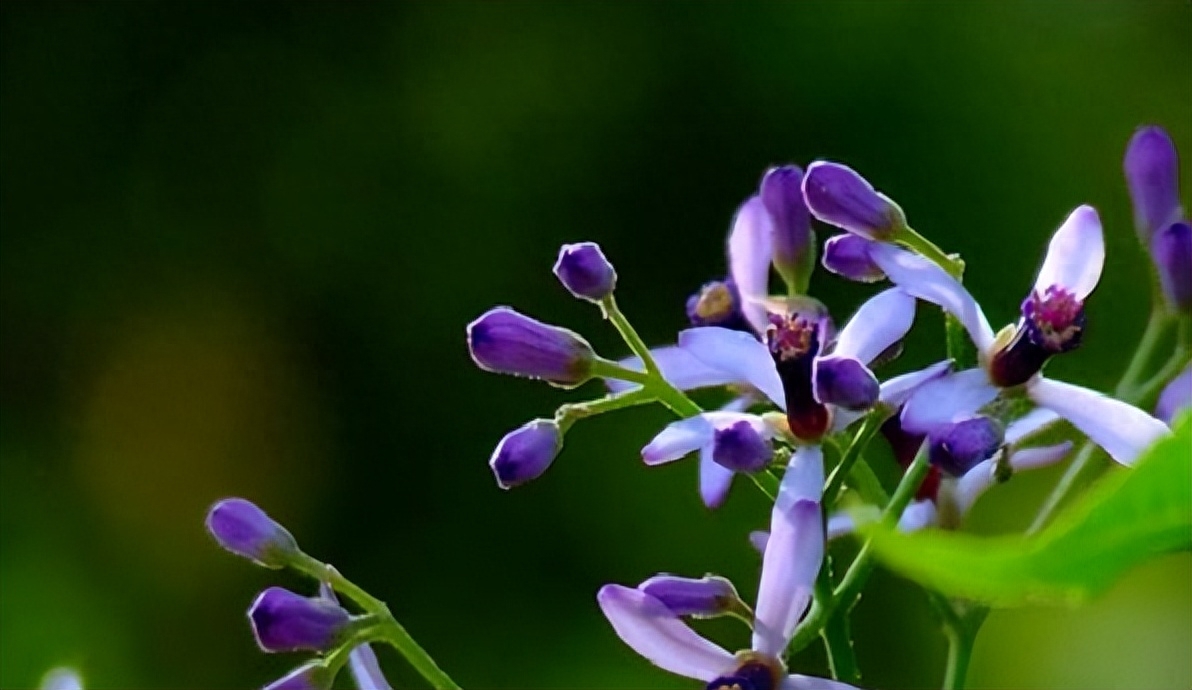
x=1171, y=250
x=846, y=382
x=585, y=272
x=244, y=529
x=684, y=596
x=1176, y=397
x=717, y=303
x=794, y=241
x=1152, y=174
x=837, y=195
x=313, y=675
x=506, y=342
x=957, y=447
x=741, y=448
x=526, y=452
x=848, y=257
x=286, y=622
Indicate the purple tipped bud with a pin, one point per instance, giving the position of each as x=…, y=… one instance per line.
x=286, y=622
x=506, y=342
x=957, y=447
x=1176, y=397
x=684, y=596
x=848, y=257
x=526, y=452
x=845, y=382
x=1152, y=173
x=245, y=530
x=584, y=271
x=794, y=241
x=741, y=448
x=1171, y=250
x=837, y=195
x=313, y=675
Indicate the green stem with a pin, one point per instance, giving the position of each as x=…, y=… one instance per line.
x=632, y=339
x=603, y=368
x=569, y=414
x=836, y=479
x=842, y=659
x=924, y=246
x=960, y=650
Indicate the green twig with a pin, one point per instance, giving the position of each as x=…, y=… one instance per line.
x=836, y=479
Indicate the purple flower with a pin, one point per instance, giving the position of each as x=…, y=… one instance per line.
x=506, y=342
x=286, y=622
x=584, y=271
x=1171, y=250
x=703, y=598
x=750, y=251
x=1152, y=174
x=793, y=240
x=958, y=446
x=792, y=559
x=313, y=675
x=526, y=452
x=848, y=256
x=1176, y=397
x=244, y=529
x=838, y=196
x=741, y=448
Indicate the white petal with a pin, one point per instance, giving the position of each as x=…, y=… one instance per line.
x=678, y=439
x=649, y=627
x=739, y=354
x=758, y=539
x=897, y=390
x=927, y=281
x=1122, y=430
x=798, y=682
x=917, y=516
x=881, y=322
x=1040, y=456
x=947, y=399
x=714, y=479
x=1075, y=256
x=839, y=525
x=981, y=477
x=794, y=552
x=1030, y=424
x=750, y=248
x=684, y=371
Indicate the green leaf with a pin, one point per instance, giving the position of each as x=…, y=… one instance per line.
x=1131, y=516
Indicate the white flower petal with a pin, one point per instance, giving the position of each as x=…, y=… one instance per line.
x=981, y=477
x=897, y=390
x=917, y=516
x=714, y=479
x=678, y=439
x=1121, y=429
x=750, y=248
x=739, y=354
x=880, y=322
x=1075, y=255
x=1030, y=424
x=799, y=682
x=678, y=366
x=947, y=399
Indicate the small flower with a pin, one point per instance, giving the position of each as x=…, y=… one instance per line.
x=838, y=196
x=506, y=342
x=1171, y=250
x=1152, y=174
x=848, y=256
x=526, y=452
x=585, y=272
x=286, y=622
x=958, y=446
x=313, y=675
x=244, y=529
x=741, y=448
x=1176, y=397
x=703, y=598
x=793, y=240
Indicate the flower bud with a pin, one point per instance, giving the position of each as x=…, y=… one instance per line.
x=957, y=447
x=1176, y=397
x=584, y=271
x=286, y=622
x=741, y=448
x=794, y=241
x=848, y=257
x=684, y=596
x=837, y=195
x=1171, y=250
x=244, y=529
x=526, y=452
x=313, y=675
x=1152, y=174
x=506, y=342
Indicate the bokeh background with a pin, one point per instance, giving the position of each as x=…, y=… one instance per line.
x=240, y=244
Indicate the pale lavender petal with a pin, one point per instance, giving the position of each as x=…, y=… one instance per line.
x=799, y=682
x=750, y=248
x=918, y=515
x=1121, y=429
x=714, y=479
x=947, y=399
x=678, y=439
x=653, y=631
x=927, y=281
x=897, y=390
x=839, y=525
x=678, y=366
x=1030, y=424
x=1176, y=396
x=61, y=678
x=738, y=354
x=978, y=480
x=794, y=552
x=366, y=671
x=758, y=539
x=1075, y=256
x=881, y=322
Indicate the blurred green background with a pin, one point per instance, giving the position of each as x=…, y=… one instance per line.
x=240, y=243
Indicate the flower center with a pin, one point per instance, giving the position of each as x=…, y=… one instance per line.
x=1052, y=322
x=794, y=342
x=790, y=337
x=754, y=672
x=717, y=304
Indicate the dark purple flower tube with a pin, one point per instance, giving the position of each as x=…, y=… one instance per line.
x=313, y=675
x=506, y=342
x=684, y=596
x=585, y=272
x=1176, y=397
x=848, y=257
x=1171, y=250
x=244, y=529
x=794, y=241
x=957, y=447
x=1152, y=174
x=526, y=452
x=286, y=622
x=837, y=195
x=741, y=448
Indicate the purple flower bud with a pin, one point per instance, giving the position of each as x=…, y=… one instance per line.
x=741, y=448
x=848, y=256
x=957, y=447
x=584, y=271
x=794, y=241
x=506, y=342
x=1171, y=250
x=845, y=382
x=526, y=452
x=313, y=675
x=286, y=622
x=244, y=529
x=837, y=195
x=1176, y=397
x=1152, y=174
x=685, y=596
